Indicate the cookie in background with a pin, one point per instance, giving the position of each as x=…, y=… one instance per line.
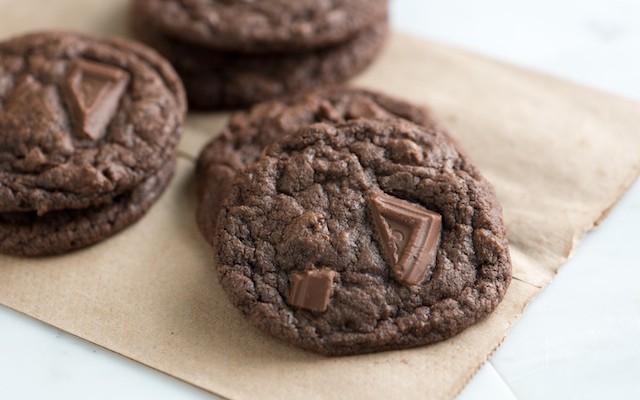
x=235, y=54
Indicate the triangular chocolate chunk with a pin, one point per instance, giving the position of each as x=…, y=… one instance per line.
x=409, y=236
x=93, y=92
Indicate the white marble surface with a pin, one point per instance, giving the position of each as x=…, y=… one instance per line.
x=578, y=339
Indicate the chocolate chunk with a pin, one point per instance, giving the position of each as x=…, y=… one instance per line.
x=311, y=289
x=409, y=236
x=93, y=92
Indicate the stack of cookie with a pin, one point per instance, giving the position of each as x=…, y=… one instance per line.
x=344, y=221
x=236, y=53
x=88, y=136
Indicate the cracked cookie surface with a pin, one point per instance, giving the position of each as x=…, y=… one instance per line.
x=82, y=120
x=301, y=216
x=250, y=132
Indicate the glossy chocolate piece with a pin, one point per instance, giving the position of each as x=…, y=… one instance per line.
x=409, y=236
x=93, y=93
x=311, y=289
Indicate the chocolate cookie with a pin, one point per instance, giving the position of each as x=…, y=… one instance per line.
x=217, y=79
x=27, y=234
x=249, y=133
x=263, y=26
x=82, y=120
x=361, y=237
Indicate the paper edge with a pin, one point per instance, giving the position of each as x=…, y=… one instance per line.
x=77, y=337
x=579, y=235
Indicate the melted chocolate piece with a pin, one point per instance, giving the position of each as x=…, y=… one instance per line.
x=311, y=289
x=409, y=236
x=93, y=91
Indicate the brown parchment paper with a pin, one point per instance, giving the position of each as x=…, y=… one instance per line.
x=558, y=154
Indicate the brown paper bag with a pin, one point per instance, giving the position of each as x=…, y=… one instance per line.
x=559, y=156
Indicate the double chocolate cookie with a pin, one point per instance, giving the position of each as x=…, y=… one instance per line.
x=88, y=131
x=233, y=54
x=362, y=236
x=249, y=133
x=264, y=26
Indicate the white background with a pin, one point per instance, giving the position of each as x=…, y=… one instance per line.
x=579, y=339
